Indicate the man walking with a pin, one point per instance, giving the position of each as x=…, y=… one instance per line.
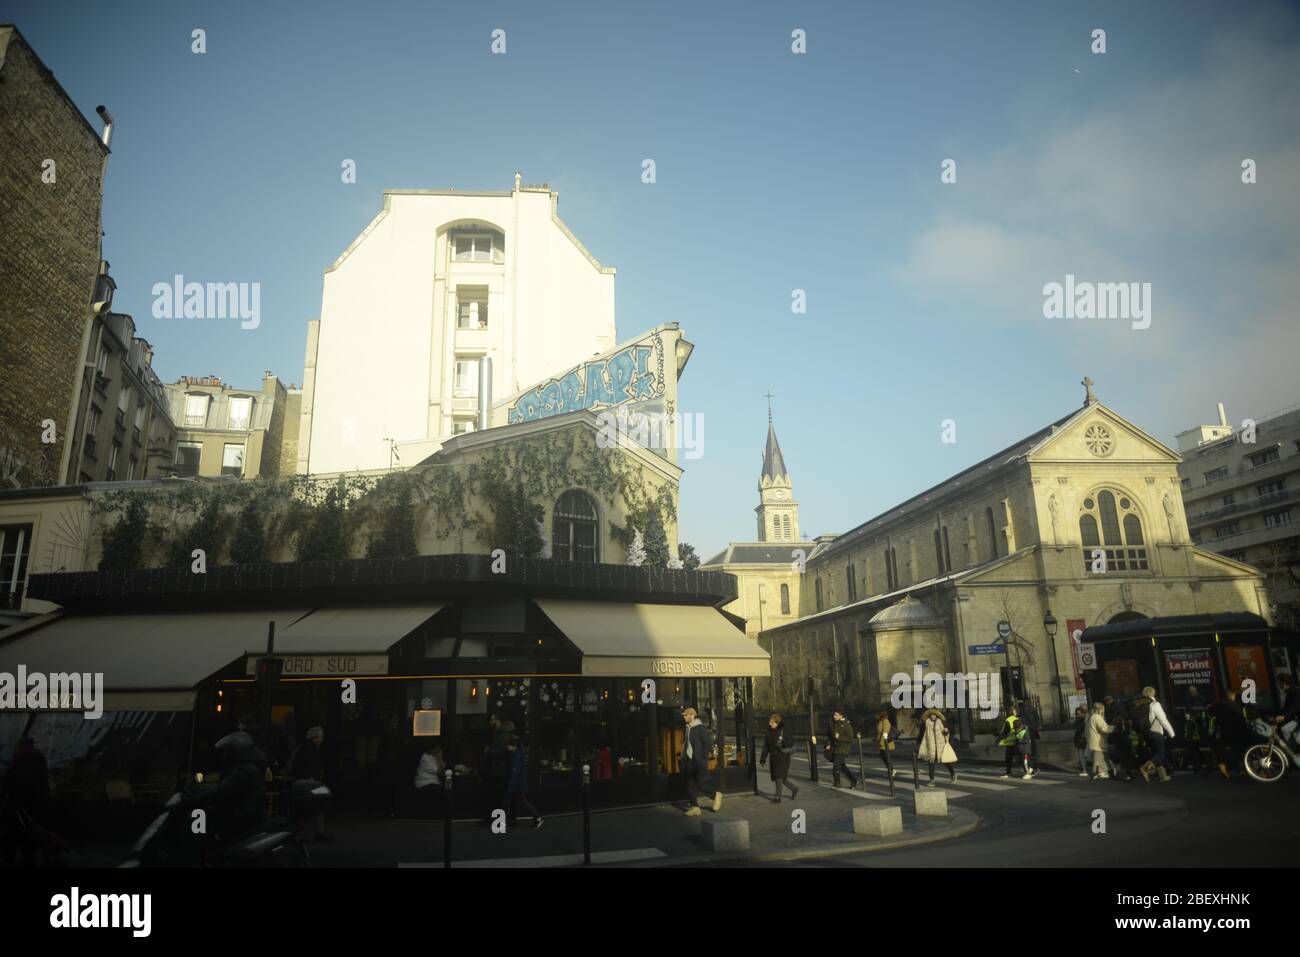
x=1156, y=727
x=695, y=762
x=841, y=748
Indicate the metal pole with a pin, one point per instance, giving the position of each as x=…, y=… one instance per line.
x=812, y=732
x=446, y=819
x=586, y=814
x=862, y=764
x=268, y=688
x=753, y=762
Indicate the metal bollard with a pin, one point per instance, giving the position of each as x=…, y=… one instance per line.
x=812, y=758
x=446, y=819
x=586, y=814
x=753, y=762
x=889, y=766
x=916, y=771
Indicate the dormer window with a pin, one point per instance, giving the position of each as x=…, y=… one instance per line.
x=477, y=247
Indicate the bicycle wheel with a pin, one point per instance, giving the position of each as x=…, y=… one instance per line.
x=1265, y=763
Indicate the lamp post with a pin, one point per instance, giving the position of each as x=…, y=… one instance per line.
x=1050, y=624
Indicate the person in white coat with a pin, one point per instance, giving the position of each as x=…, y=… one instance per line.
x=934, y=747
x=1155, y=725
x=1098, y=739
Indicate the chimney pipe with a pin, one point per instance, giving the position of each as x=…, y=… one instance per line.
x=107, y=117
x=1223, y=415
x=484, y=391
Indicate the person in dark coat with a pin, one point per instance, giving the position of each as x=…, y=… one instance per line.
x=27, y=791
x=695, y=763
x=1233, y=733
x=841, y=748
x=517, y=783
x=307, y=764
x=495, y=766
x=777, y=746
x=237, y=804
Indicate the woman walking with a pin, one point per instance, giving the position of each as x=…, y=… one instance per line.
x=1098, y=741
x=779, y=748
x=1081, y=739
x=885, y=737
x=933, y=746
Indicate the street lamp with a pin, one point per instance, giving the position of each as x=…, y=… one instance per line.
x=1050, y=624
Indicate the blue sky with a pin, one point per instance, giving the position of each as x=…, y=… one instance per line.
x=775, y=172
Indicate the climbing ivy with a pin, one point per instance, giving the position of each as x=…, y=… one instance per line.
x=387, y=515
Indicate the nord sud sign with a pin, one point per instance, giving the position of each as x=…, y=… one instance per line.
x=327, y=666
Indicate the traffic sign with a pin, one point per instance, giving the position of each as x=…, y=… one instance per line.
x=988, y=649
x=1088, y=656
x=1004, y=629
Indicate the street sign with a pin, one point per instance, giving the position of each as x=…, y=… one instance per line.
x=1088, y=656
x=988, y=649
x=1004, y=629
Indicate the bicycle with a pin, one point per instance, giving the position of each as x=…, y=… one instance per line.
x=1268, y=762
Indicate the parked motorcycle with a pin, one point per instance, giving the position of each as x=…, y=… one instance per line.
x=234, y=831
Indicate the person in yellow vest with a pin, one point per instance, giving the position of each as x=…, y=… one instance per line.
x=1014, y=737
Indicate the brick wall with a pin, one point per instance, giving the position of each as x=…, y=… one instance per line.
x=50, y=261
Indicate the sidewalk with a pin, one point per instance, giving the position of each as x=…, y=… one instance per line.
x=646, y=836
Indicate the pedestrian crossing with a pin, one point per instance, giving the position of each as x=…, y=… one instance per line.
x=968, y=780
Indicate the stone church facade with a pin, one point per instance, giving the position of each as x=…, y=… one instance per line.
x=1078, y=524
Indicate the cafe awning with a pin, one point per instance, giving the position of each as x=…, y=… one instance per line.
x=622, y=639
x=333, y=631
x=149, y=662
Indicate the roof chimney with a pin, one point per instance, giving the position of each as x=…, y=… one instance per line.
x=1223, y=415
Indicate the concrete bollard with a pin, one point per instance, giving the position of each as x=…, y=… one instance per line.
x=931, y=803
x=725, y=833
x=878, y=821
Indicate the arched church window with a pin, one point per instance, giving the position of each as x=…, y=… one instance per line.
x=1110, y=522
x=785, y=525
x=785, y=599
x=575, y=528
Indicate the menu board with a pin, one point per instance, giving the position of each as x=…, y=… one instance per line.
x=1189, y=668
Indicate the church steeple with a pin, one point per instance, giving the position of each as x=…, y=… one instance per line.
x=778, y=513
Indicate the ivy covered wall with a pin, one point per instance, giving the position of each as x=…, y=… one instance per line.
x=500, y=495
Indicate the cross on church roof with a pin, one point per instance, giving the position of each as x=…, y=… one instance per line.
x=1088, y=399
x=769, y=397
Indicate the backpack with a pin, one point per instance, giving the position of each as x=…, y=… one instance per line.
x=1142, y=715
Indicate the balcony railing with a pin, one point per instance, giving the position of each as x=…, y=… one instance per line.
x=1250, y=505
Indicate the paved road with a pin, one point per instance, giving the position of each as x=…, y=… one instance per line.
x=1048, y=821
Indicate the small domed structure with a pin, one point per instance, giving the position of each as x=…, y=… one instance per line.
x=908, y=613
x=906, y=634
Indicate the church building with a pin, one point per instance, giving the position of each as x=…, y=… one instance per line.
x=1079, y=524
x=767, y=569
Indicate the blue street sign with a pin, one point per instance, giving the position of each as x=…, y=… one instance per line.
x=988, y=649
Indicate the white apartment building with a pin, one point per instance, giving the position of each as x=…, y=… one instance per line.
x=437, y=281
